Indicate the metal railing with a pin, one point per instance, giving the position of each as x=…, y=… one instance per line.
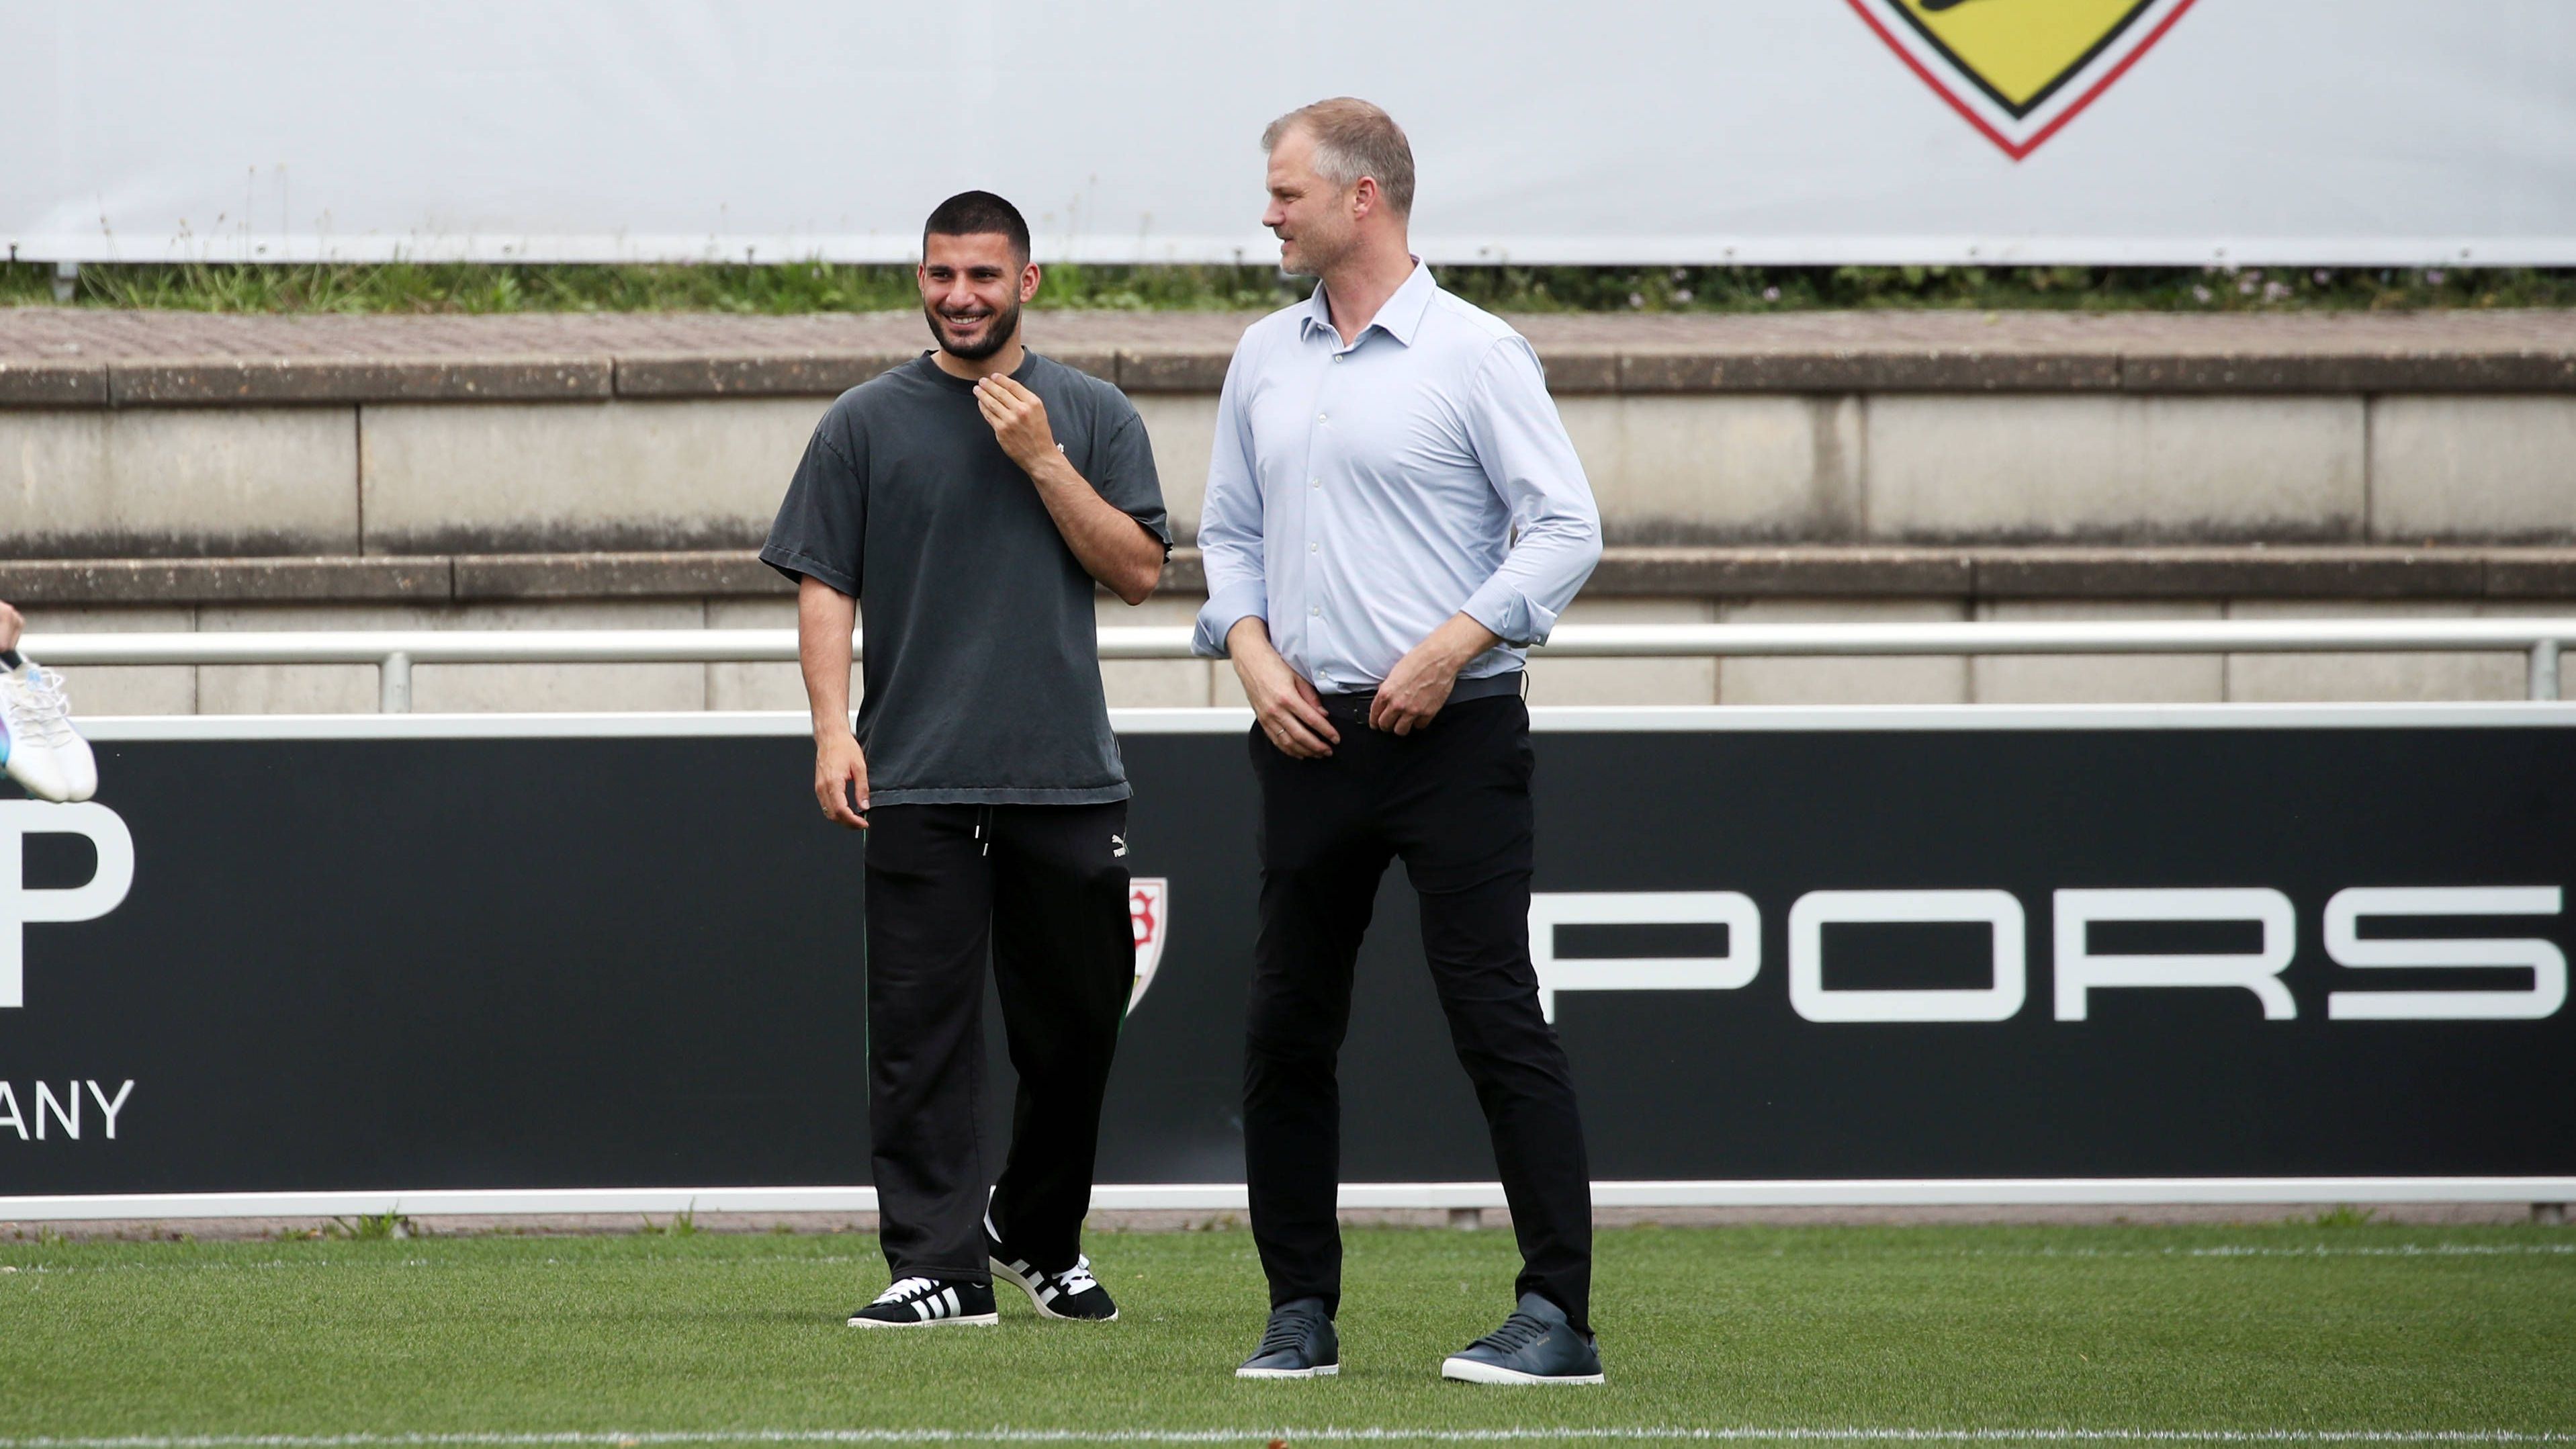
x=395, y=652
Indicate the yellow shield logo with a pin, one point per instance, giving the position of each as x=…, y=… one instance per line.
x=2019, y=70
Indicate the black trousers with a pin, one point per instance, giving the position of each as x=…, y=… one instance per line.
x=1453, y=802
x=1042, y=890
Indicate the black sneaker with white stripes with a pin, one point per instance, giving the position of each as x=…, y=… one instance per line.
x=928, y=1303
x=1072, y=1294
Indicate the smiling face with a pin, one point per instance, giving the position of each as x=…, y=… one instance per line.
x=971, y=290
x=1314, y=220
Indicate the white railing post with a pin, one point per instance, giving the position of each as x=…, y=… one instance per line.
x=2544, y=669
x=393, y=684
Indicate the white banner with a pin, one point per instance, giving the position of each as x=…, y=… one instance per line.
x=2335, y=132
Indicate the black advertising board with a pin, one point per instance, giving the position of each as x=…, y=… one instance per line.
x=538, y=956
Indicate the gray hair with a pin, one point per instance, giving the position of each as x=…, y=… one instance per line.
x=1353, y=139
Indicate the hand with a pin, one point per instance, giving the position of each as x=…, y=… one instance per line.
x=1019, y=421
x=10, y=624
x=1289, y=710
x=840, y=777
x=1419, y=684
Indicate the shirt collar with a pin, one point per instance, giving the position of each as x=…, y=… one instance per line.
x=1400, y=318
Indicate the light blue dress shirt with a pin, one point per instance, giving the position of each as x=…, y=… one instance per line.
x=1359, y=496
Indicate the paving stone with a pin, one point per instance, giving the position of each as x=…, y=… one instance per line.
x=1639, y=571
x=1797, y=571
x=1182, y=429
x=252, y=382
x=96, y=690
x=1917, y=679
x=1185, y=572
x=28, y=383
x=2481, y=468
x=416, y=357
x=679, y=573
x=163, y=482
x=2531, y=573
x=2429, y=676
x=2533, y=609
x=301, y=688
x=682, y=374
x=1154, y=683
x=113, y=581
x=512, y=477
x=2096, y=678
x=761, y=686
x=353, y=688
x=2359, y=571
x=2037, y=468
x=1669, y=470
x=1591, y=682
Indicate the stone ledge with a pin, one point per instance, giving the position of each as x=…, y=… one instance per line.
x=52, y=384
x=82, y=357
x=236, y=382
x=682, y=374
x=2294, y=372
x=297, y=381
x=1682, y=571
x=713, y=573
x=2242, y=573
x=1872, y=370
x=226, y=580
x=1670, y=572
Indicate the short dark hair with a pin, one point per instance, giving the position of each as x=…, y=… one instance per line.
x=975, y=213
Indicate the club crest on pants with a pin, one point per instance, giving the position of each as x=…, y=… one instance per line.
x=1148, y=906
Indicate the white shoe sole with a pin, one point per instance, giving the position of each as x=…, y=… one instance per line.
x=972, y=1320
x=1320, y=1371
x=1476, y=1371
x=42, y=773
x=1002, y=1271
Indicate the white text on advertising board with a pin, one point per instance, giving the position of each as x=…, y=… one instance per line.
x=2079, y=969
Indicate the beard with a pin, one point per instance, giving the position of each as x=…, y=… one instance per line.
x=1318, y=248
x=998, y=333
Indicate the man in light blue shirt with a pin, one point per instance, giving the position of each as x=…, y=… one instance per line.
x=1393, y=515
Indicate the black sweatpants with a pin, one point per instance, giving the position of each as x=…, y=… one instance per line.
x=1042, y=889
x=1453, y=801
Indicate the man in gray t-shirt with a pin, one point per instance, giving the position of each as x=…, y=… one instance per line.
x=970, y=500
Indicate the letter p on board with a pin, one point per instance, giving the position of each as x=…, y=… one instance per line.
x=20, y=907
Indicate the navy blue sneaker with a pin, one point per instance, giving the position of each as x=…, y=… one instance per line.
x=1534, y=1346
x=1298, y=1344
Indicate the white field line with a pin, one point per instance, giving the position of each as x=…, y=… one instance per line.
x=1327, y=1434
x=2392, y=1250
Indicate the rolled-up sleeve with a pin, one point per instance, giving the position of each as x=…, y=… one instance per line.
x=1230, y=536
x=1556, y=527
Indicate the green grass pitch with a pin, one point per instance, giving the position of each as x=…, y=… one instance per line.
x=2308, y=1333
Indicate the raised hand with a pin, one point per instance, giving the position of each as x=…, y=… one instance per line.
x=1019, y=420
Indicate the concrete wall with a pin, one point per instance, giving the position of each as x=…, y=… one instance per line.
x=1684, y=468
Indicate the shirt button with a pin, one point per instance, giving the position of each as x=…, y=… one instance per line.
x=1314, y=482
x=1317, y=611
x=1314, y=548
x=1337, y=357
x=1319, y=417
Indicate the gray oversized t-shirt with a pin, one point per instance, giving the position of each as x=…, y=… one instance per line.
x=981, y=669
